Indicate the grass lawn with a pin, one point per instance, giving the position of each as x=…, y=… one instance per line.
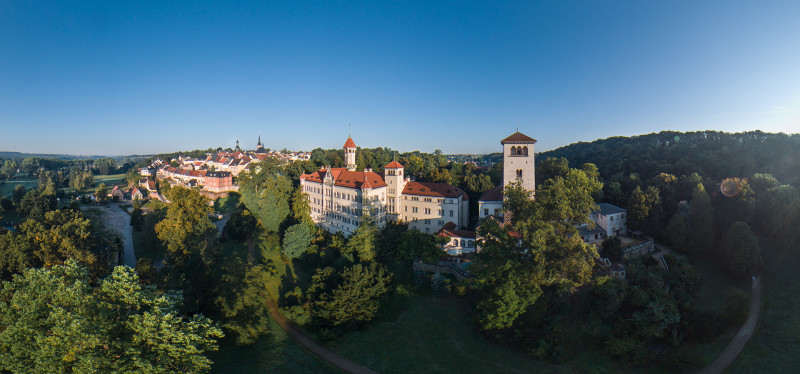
x=8, y=186
x=274, y=352
x=110, y=180
x=775, y=347
x=434, y=336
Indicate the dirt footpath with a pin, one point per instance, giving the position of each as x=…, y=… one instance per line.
x=740, y=340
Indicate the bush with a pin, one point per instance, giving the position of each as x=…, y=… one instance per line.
x=737, y=307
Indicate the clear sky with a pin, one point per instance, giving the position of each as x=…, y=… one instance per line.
x=124, y=77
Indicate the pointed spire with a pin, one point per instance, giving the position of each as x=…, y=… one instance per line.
x=259, y=140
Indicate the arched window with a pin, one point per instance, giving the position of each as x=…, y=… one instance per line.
x=513, y=151
x=463, y=243
x=525, y=150
x=519, y=173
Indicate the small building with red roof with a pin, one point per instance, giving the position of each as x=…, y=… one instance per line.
x=459, y=241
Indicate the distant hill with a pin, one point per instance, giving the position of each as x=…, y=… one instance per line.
x=712, y=154
x=21, y=155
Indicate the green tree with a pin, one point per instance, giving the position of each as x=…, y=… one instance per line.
x=415, y=244
x=186, y=225
x=241, y=225
x=551, y=167
x=101, y=193
x=18, y=193
x=701, y=224
x=266, y=195
x=242, y=300
x=301, y=210
x=9, y=169
x=740, y=251
x=6, y=205
x=105, y=166
x=363, y=241
x=678, y=232
x=297, y=238
x=641, y=205
x=30, y=165
x=35, y=204
x=60, y=236
x=612, y=249
x=136, y=216
x=57, y=321
x=512, y=272
x=763, y=182
x=350, y=296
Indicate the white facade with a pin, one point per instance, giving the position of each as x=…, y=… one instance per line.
x=489, y=208
x=339, y=197
x=518, y=161
x=613, y=220
x=340, y=207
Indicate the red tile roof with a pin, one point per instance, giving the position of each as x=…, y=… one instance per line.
x=345, y=178
x=433, y=189
x=349, y=143
x=393, y=165
x=495, y=194
x=449, y=230
x=518, y=137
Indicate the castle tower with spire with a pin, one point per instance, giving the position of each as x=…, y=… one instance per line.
x=350, y=154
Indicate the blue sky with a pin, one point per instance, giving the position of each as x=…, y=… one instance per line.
x=100, y=77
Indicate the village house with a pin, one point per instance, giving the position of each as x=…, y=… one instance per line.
x=611, y=219
x=459, y=241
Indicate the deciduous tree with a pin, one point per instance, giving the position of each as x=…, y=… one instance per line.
x=740, y=251
x=57, y=321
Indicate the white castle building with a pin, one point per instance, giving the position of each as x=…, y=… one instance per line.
x=518, y=165
x=340, y=197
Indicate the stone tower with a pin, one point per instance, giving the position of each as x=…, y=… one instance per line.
x=393, y=175
x=518, y=163
x=350, y=154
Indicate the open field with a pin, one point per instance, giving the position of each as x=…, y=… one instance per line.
x=434, y=336
x=775, y=346
x=274, y=352
x=8, y=186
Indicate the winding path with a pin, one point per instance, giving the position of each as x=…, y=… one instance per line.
x=742, y=337
x=309, y=344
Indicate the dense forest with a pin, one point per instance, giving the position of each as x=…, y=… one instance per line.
x=711, y=154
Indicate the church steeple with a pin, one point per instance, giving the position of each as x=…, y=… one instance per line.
x=237, y=145
x=259, y=142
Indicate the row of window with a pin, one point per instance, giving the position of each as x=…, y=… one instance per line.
x=496, y=211
x=425, y=210
x=463, y=243
x=429, y=199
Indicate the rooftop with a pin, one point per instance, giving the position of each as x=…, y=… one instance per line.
x=518, y=138
x=606, y=209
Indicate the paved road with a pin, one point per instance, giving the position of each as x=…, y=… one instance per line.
x=742, y=337
x=323, y=353
x=118, y=221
